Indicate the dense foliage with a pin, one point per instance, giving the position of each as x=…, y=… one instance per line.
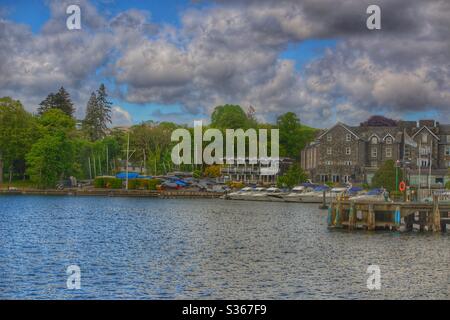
x=48, y=148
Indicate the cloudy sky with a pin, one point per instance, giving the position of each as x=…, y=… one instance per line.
x=176, y=60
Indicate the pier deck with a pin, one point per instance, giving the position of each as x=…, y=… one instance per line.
x=402, y=216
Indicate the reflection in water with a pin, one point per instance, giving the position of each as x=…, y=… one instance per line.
x=205, y=249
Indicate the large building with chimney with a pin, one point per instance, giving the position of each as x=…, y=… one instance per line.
x=344, y=154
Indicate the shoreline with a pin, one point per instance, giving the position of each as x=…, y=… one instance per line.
x=115, y=193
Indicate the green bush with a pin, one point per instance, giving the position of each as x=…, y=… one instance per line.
x=108, y=183
x=143, y=184
x=153, y=183
x=197, y=174
x=447, y=185
x=99, y=183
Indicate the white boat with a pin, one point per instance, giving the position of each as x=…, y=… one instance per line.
x=294, y=194
x=375, y=195
x=258, y=194
x=275, y=194
x=242, y=194
x=315, y=196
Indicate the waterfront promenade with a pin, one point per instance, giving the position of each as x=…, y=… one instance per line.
x=115, y=193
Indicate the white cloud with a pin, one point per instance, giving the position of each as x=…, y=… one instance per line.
x=120, y=117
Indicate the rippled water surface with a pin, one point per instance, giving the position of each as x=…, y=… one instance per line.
x=205, y=249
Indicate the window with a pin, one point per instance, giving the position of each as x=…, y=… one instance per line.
x=329, y=151
x=346, y=179
x=348, y=150
x=335, y=178
x=448, y=164
x=324, y=178
x=348, y=137
x=447, y=151
x=347, y=163
x=389, y=152
x=329, y=163
x=424, y=138
x=374, y=152
x=389, y=140
x=374, y=140
x=448, y=138
x=329, y=137
x=424, y=163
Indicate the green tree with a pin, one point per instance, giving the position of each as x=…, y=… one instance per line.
x=104, y=107
x=61, y=100
x=293, y=176
x=385, y=176
x=52, y=156
x=293, y=136
x=98, y=115
x=48, y=159
x=231, y=117
x=17, y=133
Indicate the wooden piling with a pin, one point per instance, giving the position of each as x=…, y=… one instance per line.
x=371, y=218
x=436, y=215
x=352, y=216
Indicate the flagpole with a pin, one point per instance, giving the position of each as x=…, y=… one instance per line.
x=420, y=171
x=429, y=170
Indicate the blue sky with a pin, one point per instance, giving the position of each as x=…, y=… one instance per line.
x=206, y=53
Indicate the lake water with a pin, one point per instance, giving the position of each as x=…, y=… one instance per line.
x=131, y=248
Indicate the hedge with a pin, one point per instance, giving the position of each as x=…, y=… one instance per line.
x=143, y=184
x=108, y=183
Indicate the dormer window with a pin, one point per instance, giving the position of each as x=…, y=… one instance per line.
x=348, y=137
x=389, y=140
x=329, y=137
x=374, y=140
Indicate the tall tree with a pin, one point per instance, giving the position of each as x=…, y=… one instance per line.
x=104, y=106
x=16, y=134
x=61, y=100
x=98, y=115
x=293, y=136
x=51, y=157
x=231, y=117
x=91, y=120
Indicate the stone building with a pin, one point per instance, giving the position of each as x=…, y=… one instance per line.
x=345, y=153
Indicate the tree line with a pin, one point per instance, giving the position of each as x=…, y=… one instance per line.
x=50, y=146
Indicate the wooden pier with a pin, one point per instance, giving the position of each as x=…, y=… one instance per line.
x=401, y=216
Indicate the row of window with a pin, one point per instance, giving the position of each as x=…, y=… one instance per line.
x=334, y=178
x=374, y=152
x=330, y=163
x=348, y=137
x=388, y=140
x=374, y=139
